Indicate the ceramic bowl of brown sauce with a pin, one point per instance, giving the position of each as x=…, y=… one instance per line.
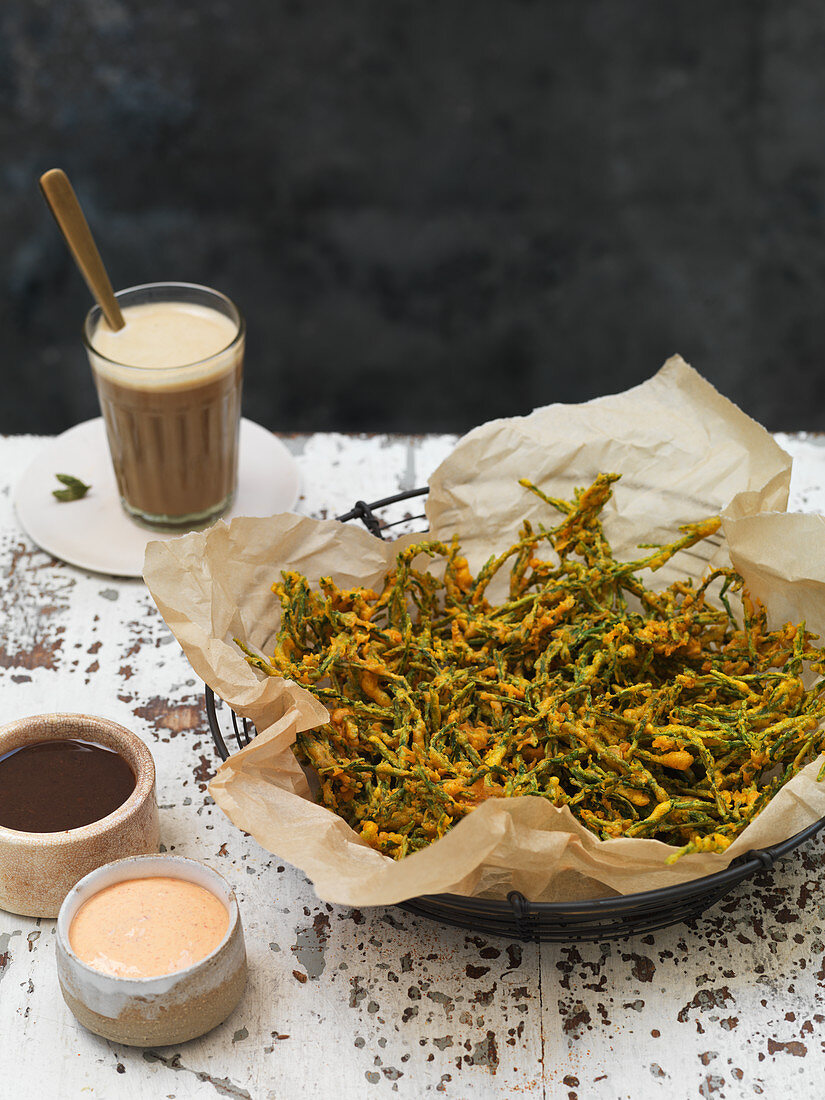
x=76, y=791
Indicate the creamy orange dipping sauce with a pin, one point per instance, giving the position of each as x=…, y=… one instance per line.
x=145, y=927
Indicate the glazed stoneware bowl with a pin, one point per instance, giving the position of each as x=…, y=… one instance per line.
x=163, y=1010
x=37, y=870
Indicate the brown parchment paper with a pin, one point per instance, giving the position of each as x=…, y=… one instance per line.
x=684, y=452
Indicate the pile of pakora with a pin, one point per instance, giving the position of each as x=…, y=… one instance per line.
x=674, y=714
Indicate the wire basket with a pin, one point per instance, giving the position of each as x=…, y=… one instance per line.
x=517, y=918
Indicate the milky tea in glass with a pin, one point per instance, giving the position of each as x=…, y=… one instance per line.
x=169, y=385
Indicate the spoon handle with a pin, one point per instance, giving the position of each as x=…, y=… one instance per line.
x=62, y=201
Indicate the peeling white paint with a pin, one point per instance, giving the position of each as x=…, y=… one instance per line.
x=377, y=1003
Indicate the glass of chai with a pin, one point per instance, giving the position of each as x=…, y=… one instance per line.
x=169, y=384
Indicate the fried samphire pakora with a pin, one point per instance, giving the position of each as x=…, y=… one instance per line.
x=649, y=714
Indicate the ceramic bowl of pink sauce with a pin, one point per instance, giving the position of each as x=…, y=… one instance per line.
x=150, y=950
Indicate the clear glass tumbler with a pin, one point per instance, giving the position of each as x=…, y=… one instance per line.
x=172, y=424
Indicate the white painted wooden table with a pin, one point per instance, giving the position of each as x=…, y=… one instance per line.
x=350, y=1004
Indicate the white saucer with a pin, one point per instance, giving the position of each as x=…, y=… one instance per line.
x=95, y=533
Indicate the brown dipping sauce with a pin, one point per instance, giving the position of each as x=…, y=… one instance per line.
x=52, y=786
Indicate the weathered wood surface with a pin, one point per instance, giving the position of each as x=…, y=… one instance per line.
x=376, y=1003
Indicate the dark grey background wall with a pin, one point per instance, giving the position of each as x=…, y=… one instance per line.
x=431, y=212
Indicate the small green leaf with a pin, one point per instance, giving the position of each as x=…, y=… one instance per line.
x=75, y=488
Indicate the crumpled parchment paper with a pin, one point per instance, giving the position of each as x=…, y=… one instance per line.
x=684, y=452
